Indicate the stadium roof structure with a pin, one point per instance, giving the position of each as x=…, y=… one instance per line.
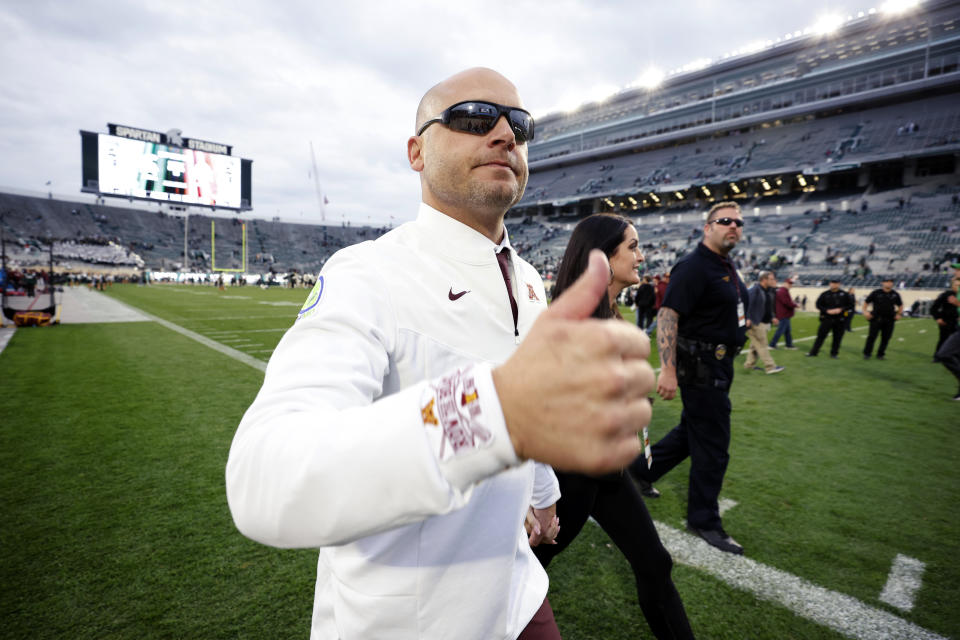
x=869, y=62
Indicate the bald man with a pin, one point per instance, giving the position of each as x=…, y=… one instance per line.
x=401, y=418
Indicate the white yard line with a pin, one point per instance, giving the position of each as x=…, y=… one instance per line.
x=726, y=504
x=906, y=576
x=251, y=331
x=839, y=612
x=240, y=356
x=5, y=334
x=842, y=613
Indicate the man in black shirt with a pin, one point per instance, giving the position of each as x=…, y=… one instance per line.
x=832, y=304
x=887, y=309
x=944, y=311
x=948, y=354
x=700, y=328
x=644, y=300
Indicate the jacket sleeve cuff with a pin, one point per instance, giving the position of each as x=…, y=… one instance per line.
x=466, y=427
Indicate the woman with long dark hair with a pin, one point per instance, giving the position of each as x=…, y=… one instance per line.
x=613, y=500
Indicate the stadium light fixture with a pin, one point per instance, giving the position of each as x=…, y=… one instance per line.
x=654, y=197
x=678, y=195
x=892, y=7
x=801, y=180
x=696, y=65
x=602, y=92
x=734, y=187
x=651, y=78
x=706, y=191
x=827, y=24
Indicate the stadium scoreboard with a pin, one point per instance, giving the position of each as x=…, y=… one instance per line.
x=137, y=163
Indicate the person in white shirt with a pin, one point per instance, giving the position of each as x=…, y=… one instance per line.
x=407, y=419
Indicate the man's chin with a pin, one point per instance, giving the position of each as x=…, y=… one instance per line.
x=502, y=195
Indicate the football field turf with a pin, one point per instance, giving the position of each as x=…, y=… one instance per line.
x=114, y=437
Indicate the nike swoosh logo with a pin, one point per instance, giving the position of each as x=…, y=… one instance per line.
x=456, y=296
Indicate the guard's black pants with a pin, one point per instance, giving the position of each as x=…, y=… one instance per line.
x=949, y=354
x=704, y=435
x=616, y=505
x=645, y=316
x=883, y=326
x=945, y=332
x=829, y=325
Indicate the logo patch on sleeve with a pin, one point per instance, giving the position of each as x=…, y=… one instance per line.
x=451, y=412
x=312, y=299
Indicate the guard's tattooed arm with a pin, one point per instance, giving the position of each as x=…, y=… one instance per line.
x=667, y=337
x=667, y=320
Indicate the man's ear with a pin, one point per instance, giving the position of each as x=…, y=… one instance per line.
x=415, y=153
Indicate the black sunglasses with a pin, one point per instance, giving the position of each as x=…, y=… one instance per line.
x=479, y=117
x=726, y=222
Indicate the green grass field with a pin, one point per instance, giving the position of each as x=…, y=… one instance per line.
x=114, y=437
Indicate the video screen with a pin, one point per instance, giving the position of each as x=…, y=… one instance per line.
x=138, y=169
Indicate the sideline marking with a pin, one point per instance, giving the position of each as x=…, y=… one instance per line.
x=726, y=504
x=5, y=334
x=842, y=613
x=248, y=331
x=906, y=576
x=260, y=365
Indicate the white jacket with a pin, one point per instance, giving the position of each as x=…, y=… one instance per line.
x=378, y=436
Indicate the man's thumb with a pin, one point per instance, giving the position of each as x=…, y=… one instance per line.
x=580, y=300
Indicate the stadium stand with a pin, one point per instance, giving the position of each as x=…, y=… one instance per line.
x=841, y=149
x=912, y=234
x=88, y=236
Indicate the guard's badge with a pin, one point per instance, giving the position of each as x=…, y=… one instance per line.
x=313, y=299
x=720, y=351
x=531, y=293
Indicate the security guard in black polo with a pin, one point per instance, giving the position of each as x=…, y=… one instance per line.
x=700, y=328
x=833, y=304
x=887, y=309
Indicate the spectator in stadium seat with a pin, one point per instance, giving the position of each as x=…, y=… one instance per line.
x=784, y=308
x=401, y=415
x=944, y=312
x=613, y=499
x=887, y=308
x=832, y=304
x=759, y=318
x=701, y=327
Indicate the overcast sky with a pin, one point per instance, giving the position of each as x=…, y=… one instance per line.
x=269, y=78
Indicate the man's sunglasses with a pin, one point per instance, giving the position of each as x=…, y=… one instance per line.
x=726, y=222
x=478, y=117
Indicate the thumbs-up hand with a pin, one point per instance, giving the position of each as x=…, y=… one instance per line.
x=574, y=394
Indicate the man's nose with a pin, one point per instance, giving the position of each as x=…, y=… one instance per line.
x=502, y=133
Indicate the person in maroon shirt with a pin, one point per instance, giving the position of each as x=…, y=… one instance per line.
x=661, y=290
x=784, y=309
